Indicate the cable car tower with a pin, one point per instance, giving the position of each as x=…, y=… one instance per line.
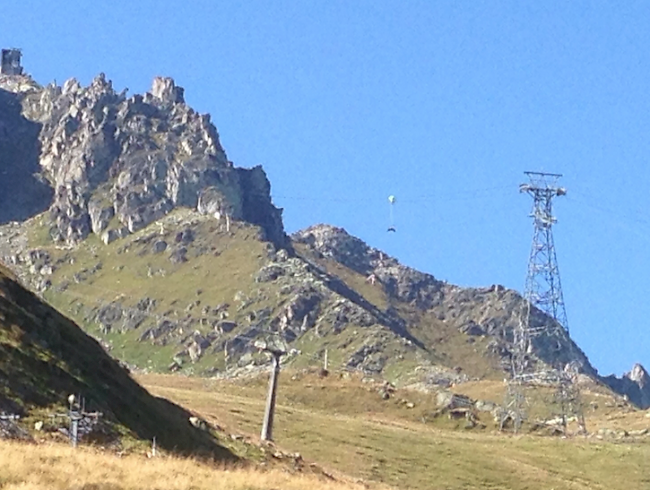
x=544, y=292
x=543, y=286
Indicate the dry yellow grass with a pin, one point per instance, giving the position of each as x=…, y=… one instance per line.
x=56, y=467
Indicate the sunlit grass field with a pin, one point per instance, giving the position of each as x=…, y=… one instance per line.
x=343, y=425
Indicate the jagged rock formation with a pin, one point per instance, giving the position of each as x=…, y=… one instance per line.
x=404, y=283
x=107, y=164
x=491, y=311
x=113, y=164
x=635, y=384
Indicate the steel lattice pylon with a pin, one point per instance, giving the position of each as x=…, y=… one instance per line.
x=543, y=291
x=543, y=286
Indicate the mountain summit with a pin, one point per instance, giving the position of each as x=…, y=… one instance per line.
x=192, y=263
x=104, y=163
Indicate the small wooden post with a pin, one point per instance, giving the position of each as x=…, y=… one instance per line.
x=325, y=363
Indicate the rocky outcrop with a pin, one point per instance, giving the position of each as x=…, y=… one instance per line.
x=111, y=164
x=256, y=208
x=493, y=311
x=634, y=384
x=496, y=312
x=401, y=282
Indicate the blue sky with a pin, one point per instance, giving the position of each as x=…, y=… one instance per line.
x=443, y=104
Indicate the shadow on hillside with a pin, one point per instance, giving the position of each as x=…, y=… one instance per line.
x=45, y=357
x=23, y=193
x=389, y=319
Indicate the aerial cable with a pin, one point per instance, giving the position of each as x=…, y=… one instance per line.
x=621, y=221
x=637, y=216
x=619, y=216
x=467, y=195
x=455, y=196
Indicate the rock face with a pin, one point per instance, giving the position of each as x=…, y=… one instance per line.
x=404, y=283
x=22, y=192
x=635, y=384
x=109, y=164
x=491, y=311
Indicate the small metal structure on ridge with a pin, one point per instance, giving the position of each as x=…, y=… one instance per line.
x=543, y=292
x=10, y=62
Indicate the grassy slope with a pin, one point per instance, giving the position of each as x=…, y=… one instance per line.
x=345, y=425
x=225, y=269
x=44, y=357
x=62, y=468
x=215, y=277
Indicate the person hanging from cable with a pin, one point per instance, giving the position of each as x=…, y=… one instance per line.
x=391, y=226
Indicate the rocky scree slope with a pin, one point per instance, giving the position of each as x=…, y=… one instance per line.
x=193, y=263
x=109, y=164
x=44, y=357
x=491, y=312
x=185, y=294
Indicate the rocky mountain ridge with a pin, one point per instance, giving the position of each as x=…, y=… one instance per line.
x=148, y=176
x=109, y=164
x=448, y=302
x=490, y=311
x=635, y=384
